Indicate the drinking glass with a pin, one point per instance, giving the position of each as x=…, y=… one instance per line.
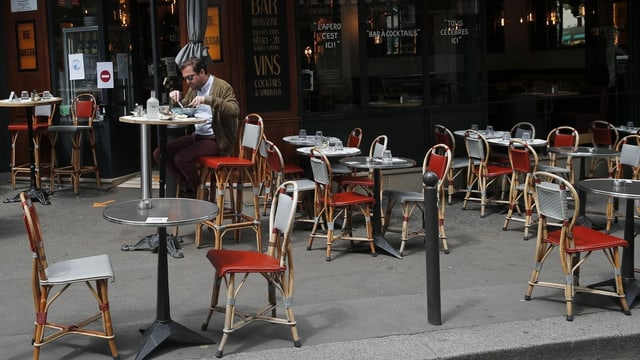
x=325, y=143
x=630, y=124
x=526, y=136
x=386, y=157
x=338, y=146
x=474, y=127
x=318, y=135
x=302, y=134
x=506, y=135
x=46, y=95
x=24, y=95
x=489, y=131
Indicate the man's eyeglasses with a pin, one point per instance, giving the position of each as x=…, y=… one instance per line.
x=189, y=78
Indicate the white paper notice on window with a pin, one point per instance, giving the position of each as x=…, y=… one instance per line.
x=76, y=66
x=157, y=220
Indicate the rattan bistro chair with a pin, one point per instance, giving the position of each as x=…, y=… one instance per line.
x=575, y=243
x=603, y=135
x=353, y=140
x=61, y=275
x=627, y=167
x=83, y=112
x=42, y=117
x=524, y=162
x=222, y=172
x=276, y=266
x=562, y=136
x=481, y=173
x=276, y=168
x=458, y=164
x=332, y=205
x=519, y=128
x=438, y=160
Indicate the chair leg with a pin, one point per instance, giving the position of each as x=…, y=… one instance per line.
x=215, y=294
x=330, y=230
x=103, y=295
x=228, y=315
x=441, y=213
x=14, y=139
x=96, y=170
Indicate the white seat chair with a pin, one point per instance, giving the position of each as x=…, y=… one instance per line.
x=61, y=275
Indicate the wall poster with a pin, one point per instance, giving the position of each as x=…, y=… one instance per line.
x=26, y=40
x=266, y=56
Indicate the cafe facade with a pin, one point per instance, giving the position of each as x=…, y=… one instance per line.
x=394, y=67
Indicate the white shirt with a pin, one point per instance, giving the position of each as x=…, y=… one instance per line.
x=204, y=111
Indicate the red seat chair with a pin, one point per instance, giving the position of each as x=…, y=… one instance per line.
x=276, y=266
x=524, y=162
x=575, y=243
x=353, y=140
x=42, y=117
x=604, y=135
x=364, y=182
x=458, y=164
x=481, y=173
x=333, y=205
x=83, y=112
x=223, y=171
x=438, y=160
x=562, y=136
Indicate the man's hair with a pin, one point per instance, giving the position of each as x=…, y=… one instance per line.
x=195, y=62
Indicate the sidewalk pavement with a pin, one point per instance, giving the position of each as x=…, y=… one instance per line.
x=354, y=307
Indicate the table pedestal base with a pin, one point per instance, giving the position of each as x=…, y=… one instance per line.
x=631, y=288
x=35, y=195
x=380, y=242
x=159, y=332
x=151, y=242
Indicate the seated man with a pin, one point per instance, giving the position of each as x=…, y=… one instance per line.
x=215, y=101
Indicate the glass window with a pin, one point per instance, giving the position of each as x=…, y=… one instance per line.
x=456, y=53
x=394, y=61
x=557, y=24
x=328, y=35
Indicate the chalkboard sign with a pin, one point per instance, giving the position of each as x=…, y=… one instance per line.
x=266, y=55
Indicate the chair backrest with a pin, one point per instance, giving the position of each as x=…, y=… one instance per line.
x=378, y=146
x=563, y=136
x=523, y=157
x=83, y=109
x=355, y=138
x=553, y=196
x=251, y=133
x=629, y=148
x=34, y=232
x=519, y=128
x=44, y=112
x=320, y=167
x=281, y=219
x=477, y=146
x=438, y=160
x=603, y=134
x=275, y=161
x=445, y=136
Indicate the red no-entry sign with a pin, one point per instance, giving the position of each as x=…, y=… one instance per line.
x=105, y=76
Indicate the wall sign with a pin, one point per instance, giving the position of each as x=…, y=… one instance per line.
x=26, y=36
x=23, y=5
x=266, y=55
x=212, y=34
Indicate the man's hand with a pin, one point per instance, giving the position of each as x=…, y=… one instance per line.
x=197, y=101
x=174, y=95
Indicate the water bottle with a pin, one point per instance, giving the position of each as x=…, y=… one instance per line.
x=153, y=106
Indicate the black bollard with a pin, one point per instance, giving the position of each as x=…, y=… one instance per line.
x=432, y=247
